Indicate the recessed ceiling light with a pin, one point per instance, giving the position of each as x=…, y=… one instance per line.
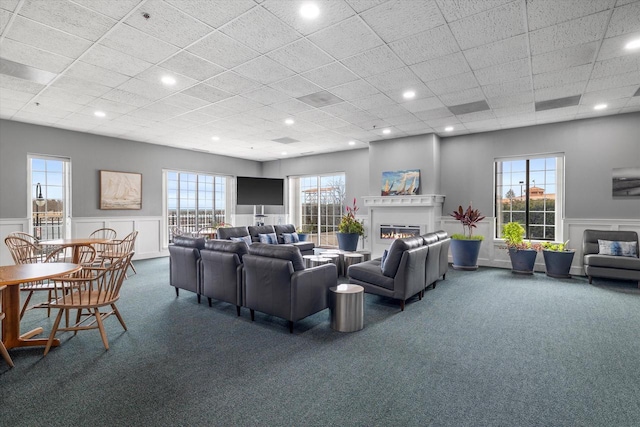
x=284, y=153
x=168, y=80
x=448, y=128
x=289, y=121
x=600, y=107
x=215, y=138
x=386, y=131
x=309, y=11
x=633, y=44
x=409, y=94
x=352, y=143
x=99, y=114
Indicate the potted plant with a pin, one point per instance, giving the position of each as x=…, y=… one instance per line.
x=522, y=254
x=350, y=229
x=466, y=247
x=303, y=233
x=557, y=259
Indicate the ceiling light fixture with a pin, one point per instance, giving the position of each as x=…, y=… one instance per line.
x=309, y=11
x=409, y=94
x=352, y=143
x=448, y=128
x=289, y=121
x=600, y=107
x=633, y=44
x=99, y=114
x=284, y=153
x=215, y=138
x=168, y=80
x=386, y=131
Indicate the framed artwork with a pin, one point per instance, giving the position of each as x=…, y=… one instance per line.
x=625, y=182
x=120, y=190
x=401, y=183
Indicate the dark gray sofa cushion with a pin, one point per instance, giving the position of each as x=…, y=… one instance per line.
x=283, y=228
x=369, y=272
x=286, y=252
x=430, y=238
x=239, y=248
x=611, y=261
x=396, y=250
x=226, y=233
x=189, y=242
x=256, y=230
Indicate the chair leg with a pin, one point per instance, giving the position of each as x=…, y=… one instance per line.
x=253, y=314
x=52, y=335
x=103, y=334
x=420, y=295
x=78, y=317
x=177, y=291
x=26, y=304
x=209, y=301
x=198, y=298
x=117, y=313
x=444, y=276
x=590, y=278
x=434, y=285
x=133, y=268
x=5, y=354
x=402, y=305
x=290, y=326
x=238, y=310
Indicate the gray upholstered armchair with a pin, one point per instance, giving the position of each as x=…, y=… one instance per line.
x=610, y=266
x=221, y=271
x=276, y=283
x=184, y=256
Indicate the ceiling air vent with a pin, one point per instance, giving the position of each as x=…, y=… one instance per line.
x=320, y=99
x=550, y=104
x=25, y=72
x=471, y=107
x=285, y=140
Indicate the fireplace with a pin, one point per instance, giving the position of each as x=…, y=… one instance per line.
x=391, y=231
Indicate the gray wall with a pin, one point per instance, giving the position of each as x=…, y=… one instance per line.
x=412, y=152
x=592, y=148
x=91, y=153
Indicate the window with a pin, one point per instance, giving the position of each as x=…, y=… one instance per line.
x=529, y=191
x=317, y=205
x=195, y=201
x=49, y=190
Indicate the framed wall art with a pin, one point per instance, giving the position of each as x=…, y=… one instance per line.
x=120, y=190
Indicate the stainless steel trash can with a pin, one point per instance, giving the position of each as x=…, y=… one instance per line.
x=347, y=308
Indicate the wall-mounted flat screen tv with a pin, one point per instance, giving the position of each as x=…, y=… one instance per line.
x=259, y=191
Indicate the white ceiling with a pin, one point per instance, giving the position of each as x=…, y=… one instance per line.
x=240, y=66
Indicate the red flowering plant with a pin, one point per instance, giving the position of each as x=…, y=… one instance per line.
x=349, y=223
x=469, y=219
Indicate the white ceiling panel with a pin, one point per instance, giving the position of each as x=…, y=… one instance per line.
x=222, y=50
x=624, y=20
x=207, y=93
x=564, y=58
x=10, y=5
x=192, y=66
x=232, y=82
x=504, y=72
x=497, y=53
x=562, y=77
x=454, y=10
x=453, y=83
x=214, y=13
x=133, y=42
x=264, y=70
x=354, y=90
x=83, y=70
x=5, y=16
x=295, y=86
x=33, y=57
x=426, y=45
x=330, y=75
x=102, y=56
x=375, y=61
x=113, y=9
x=300, y=56
x=46, y=38
x=572, y=33
x=267, y=96
x=398, y=19
x=418, y=105
x=615, y=46
x=80, y=86
x=441, y=67
x=616, y=81
x=490, y=26
x=543, y=14
x=333, y=11
x=362, y=5
x=462, y=97
x=620, y=65
x=346, y=38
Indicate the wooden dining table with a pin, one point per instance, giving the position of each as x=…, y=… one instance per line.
x=75, y=244
x=13, y=276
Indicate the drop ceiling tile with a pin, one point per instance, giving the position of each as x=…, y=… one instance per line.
x=46, y=38
x=16, y=95
x=222, y=50
x=426, y=45
x=133, y=42
x=511, y=100
x=354, y=90
x=112, y=106
x=398, y=19
x=330, y=75
x=434, y=113
x=346, y=38
x=118, y=95
x=625, y=20
x=192, y=66
x=218, y=111
x=620, y=65
x=80, y=86
x=5, y=16
x=614, y=47
x=393, y=114
x=562, y=77
x=333, y=123
x=9, y=5
x=260, y=29
x=486, y=27
x=315, y=115
x=295, y=86
x=515, y=110
x=375, y=61
x=418, y=105
x=214, y=13
x=154, y=75
x=234, y=83
x=420, y=89
x=362, y=5
x=396, y=80
x=239, y=104
x=572, y=33
x=571, y=89
x=33, y=57
x=185, y=101
x=206, y=92
x=269, y=113
x=292, y=106
x=145, y=89
x=300, y=56
x=96, y=74
x=197, y=117
x=68, y=17
x=340, y=109
x=332, y=11
x=462, y=97
x=546, y=13
x=497, y=53
x=606, y=95
x=509, y=88
x=373, y=101
x=455, y=10
x=453, y=83
x=66, y=96
x=102, y=56
x=564, y=58
x=147, y=114
x=441, y=67
x=555, y=114
x=267, y=96
x=264, y=70
x=13, y=104
x=168, y=23
x=619, y=80
x=359, y=117
x=25, y=116
x=504, y=72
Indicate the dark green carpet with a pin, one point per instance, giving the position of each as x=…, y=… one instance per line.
x=485, y=348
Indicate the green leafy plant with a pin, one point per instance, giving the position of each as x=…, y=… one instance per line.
x=469, y=219
x=556, y=247
x=513, y=235
x=349, y=223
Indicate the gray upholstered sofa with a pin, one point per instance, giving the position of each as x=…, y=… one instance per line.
x=412, y=264
x=276, y=283
x=221, y=271
x=610, y=266
x=184, y=259
x=254, y=233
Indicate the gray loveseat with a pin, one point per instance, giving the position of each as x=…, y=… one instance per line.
x=253, y=232
x=610, y=266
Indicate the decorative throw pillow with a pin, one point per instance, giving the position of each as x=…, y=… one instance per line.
x=270, y=238
x=246, y=239
x=384, y=259
x=290, y=237
x=608, y=247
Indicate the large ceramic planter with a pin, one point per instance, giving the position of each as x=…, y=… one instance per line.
x=348, y=241
x=303, y=237
x=465, y=254
x=522, y=260
x=558, y=264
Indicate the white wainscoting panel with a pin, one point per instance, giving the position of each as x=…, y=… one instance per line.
x=8, y=225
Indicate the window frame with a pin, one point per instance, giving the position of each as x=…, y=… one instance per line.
x=64, y=227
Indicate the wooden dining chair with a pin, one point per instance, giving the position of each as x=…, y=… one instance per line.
x=88, y=295
x=103, y=233
x=24, y=252
x=118, y=248
x=3, y=349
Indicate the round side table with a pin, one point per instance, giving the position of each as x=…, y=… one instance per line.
x=351, y=258
x=314, y=260
x=347, y=308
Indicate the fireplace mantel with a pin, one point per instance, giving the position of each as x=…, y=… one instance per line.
x=404, y=201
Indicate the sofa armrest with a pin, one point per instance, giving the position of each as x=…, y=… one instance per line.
x=310, y=290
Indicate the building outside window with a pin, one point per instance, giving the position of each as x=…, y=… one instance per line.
x=49, y=196
x=317, y=205
x=529, y=190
